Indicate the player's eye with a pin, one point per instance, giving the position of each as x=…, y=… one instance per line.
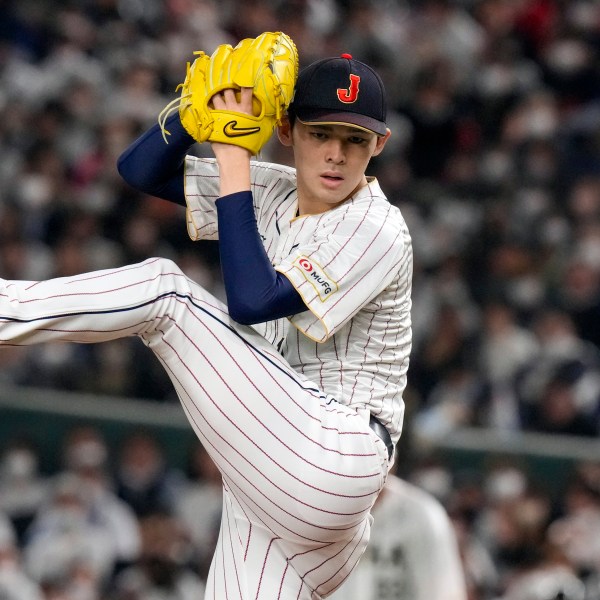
x=357, y=139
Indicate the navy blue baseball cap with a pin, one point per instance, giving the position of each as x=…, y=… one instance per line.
x=340, y=90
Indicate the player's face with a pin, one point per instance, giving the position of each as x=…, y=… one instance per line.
x=330, y=162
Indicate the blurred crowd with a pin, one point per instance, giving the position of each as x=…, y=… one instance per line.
x=124, y=525
x=494, y=161
x=121, y=522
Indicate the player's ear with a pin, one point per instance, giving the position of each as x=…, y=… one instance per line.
x=284, y=132
x=381, y=140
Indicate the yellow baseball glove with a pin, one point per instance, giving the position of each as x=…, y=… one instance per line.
x=268, y=64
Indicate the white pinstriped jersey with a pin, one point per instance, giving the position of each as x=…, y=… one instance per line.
x=352, y=265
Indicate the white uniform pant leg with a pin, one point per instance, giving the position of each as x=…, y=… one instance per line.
x=300, y=473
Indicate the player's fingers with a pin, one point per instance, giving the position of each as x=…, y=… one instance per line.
x=230, y=99
x=246, y=100
x=234, y=101
x=218, y=101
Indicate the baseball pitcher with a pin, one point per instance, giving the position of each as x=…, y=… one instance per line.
x=294, y=386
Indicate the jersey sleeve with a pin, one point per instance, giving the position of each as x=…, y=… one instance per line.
x=202, y=191
x=350, y=260
x=201, y=187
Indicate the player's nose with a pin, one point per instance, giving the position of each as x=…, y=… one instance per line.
x=335, y=152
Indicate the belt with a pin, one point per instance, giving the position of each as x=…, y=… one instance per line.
x=381, y=430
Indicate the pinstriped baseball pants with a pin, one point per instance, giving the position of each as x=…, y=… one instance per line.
x=300, y=471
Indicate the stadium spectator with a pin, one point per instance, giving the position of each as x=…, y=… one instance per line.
x=144, y=479
x=162, y=571
x=23, y=489
x=15, y=583
x=86, y=455
x=63, y=538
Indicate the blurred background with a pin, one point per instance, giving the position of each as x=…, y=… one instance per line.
x=494, y=161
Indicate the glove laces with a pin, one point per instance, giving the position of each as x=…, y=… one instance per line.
x=177, y=103
x=171, y=108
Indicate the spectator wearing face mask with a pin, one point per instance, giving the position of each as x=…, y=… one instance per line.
x=22, y=487
x=163, y=571
x=144, y=480
x=86, y=455
x=63, y=534
x=15, y=584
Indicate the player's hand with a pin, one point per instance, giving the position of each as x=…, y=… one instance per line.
x=237, y=102
x=233, y=161
x=232, y=101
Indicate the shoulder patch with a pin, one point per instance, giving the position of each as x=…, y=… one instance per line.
x=316, y=276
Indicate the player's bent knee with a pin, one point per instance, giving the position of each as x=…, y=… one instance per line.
x=168, y=273
x=168, y=279
x=165, y=265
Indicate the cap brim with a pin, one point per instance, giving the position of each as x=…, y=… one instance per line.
x=342, y=118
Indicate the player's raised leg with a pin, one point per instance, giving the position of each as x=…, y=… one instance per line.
x=90, y=307
x=248, y=407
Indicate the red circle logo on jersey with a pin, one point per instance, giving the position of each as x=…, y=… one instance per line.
x=306, y=264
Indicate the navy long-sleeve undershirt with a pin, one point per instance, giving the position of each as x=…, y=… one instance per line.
x=156, y=168
x=255, y=291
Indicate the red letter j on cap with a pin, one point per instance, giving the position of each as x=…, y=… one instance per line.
x=351, y=94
